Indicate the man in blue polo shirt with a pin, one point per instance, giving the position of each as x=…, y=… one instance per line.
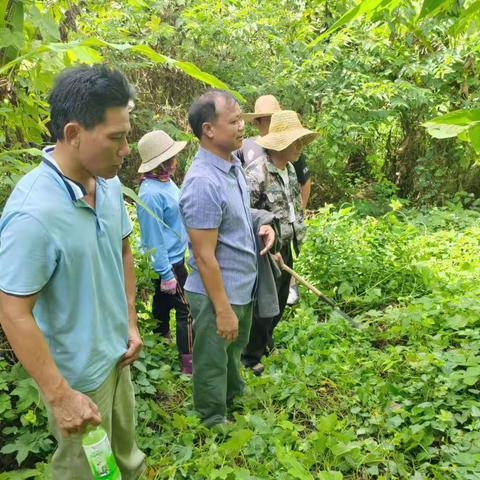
x=215, y=206
x=67, y=284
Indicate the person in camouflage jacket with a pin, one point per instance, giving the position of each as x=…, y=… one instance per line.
x=268, y=191
x=274, y=187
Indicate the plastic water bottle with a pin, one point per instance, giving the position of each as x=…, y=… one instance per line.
x=99, y=454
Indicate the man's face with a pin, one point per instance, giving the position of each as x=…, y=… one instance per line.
x=226, y=131
x=101, y=150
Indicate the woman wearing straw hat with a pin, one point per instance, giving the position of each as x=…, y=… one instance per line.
x=274, y=187
x=166, y=236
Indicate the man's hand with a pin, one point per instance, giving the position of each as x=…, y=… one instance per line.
x=135, y=345
x=267, y=234
x=73, y=410
x=227, y=325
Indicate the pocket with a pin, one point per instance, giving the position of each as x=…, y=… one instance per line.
x=275, y=197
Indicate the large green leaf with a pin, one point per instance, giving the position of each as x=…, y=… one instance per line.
x=457, y=117
x=85, y=51
x=464, y=124
x=365, y=6
x=474, y=136
x=431, y=7
x=445, y=131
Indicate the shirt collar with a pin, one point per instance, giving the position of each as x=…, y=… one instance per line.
x=272, y=168
x=75, y=189
x=220, y=163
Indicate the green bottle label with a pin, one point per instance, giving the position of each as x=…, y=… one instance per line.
x=101, y=460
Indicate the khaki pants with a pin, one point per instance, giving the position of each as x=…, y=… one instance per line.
x=115, y=400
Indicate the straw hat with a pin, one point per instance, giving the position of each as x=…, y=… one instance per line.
x=285, y=128
x=265, y=106
x=157, y=147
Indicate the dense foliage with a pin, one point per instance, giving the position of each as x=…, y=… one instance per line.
x=386, y=68
x=396, y=398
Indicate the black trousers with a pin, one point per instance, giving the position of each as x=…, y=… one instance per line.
x=164, y=302
x=261, y=333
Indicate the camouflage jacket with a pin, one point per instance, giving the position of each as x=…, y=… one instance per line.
x=268, y=192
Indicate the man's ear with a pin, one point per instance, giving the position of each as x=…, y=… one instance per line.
x=71, y=134
x=208, y=130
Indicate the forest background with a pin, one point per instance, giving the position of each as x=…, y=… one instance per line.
x=393, y=88
x=388, y=67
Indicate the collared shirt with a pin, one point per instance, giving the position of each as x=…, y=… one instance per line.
x=215, y=196
x=53, y=243
x=169, y=242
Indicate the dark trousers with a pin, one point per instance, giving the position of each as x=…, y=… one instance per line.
x=164, y=302
x=261, y=332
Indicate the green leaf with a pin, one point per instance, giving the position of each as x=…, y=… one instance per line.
x=330, y=475
x=195, y=72
x=29, y=151
x=85, y=54
x=3, y=11
x=45, y=23
x=457, y=117
x=27, y=393
x=149, y=52
x=365, y=6
x=431, y=7
x=20, y=474
x=11, y=39
x=474, y=136
x=236, y=441
x=445, y=131
x=221, y=473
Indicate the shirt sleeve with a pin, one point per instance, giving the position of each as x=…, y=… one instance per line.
x=28, y=255
x=254, y=176
x=301, y=169
x=152, y=236
x=126, y=223
x=200, y=204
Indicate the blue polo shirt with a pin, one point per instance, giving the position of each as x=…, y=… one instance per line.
x=215, y=196
x=53, y=243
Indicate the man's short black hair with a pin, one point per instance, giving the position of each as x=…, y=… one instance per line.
x=83, y=94
x=203, y=108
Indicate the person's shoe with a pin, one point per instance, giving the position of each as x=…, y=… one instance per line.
x=293, y=295
x=186, y=361
x=258, y=369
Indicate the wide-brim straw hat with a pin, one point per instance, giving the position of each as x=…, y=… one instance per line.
x=157, y=147
x=285, y=128
x=265, y=106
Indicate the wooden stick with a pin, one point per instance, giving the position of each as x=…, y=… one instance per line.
x=315, y=290
x=307, y=284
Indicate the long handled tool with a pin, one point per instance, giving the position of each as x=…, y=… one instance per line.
x=314, y=290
